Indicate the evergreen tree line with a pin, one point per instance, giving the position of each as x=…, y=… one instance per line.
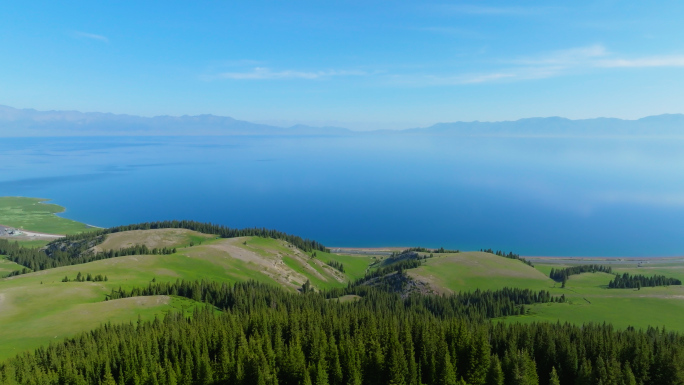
x=19, y=272
x=135, y=250
x=510, y=255
x=335, y=264
x=441, y=250
x=561, y=275
x=474, y=305
x=268, y=336
x=399, y=266
x=15, y=252
x=86, y=278
x=306, y=245
x=626, y=281
x=36, y=260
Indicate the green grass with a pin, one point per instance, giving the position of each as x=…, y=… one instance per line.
x=354, y=266
x=6, y=267
x=34, y=243
x=589, y=300
x=266, y=246
x=37, y=308
x=546, y=269
x=667, y=269
x=328, y=283
x=32, y=214
x=294, y=259
x=297, y=267
x=156, y=238
x=468, y=271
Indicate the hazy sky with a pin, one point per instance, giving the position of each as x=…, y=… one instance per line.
x=359, y=64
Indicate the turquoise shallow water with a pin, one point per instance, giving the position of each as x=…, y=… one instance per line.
x=598, y=197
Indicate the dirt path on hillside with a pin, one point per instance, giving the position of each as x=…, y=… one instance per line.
x=124, y=303
x=299, y=254
x=244, y=255
x=273, y=266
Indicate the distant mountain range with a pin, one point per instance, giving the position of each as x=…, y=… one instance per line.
x=28, y=122
x=659, y=125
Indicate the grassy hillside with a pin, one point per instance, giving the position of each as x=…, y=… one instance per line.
x=6, y=267
x=158, y=238
x=37, y=308
x=355, y=266
x=33, y=214
x=589, y=300
x=476, y=270
x=276, y=261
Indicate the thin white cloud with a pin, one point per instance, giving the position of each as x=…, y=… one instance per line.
x=594, y=56
x=91, y=36
x=262, y=73
x=645, y=62
x=566, y=57
x=545, y=65
x=548, y=65
x=448, y=80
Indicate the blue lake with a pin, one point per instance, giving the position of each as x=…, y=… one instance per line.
x=578, y=197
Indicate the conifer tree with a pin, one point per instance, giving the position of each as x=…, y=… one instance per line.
x=409, y=353
x=396, y=370
x=627, y=375
x=335, y=375
x=495, y=375
x=585, y=375
x=553, y=377
x=479, y=360
x=445, y=370
x=108, y=378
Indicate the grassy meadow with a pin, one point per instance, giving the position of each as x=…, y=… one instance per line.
x=590, y=300
x=37, y=308
x=33, y=214
x=6, y=267
x=588, y=296
x=468, y=271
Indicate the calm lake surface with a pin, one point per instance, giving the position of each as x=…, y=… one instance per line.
x=570, y=197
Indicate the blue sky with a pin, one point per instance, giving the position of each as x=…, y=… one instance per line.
x=359, y=64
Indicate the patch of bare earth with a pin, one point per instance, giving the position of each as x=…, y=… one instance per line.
x=126, y=303
x=85, y=310
x=339, y=277
x=271, y=265
x=303, y=258
x=428, y=283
